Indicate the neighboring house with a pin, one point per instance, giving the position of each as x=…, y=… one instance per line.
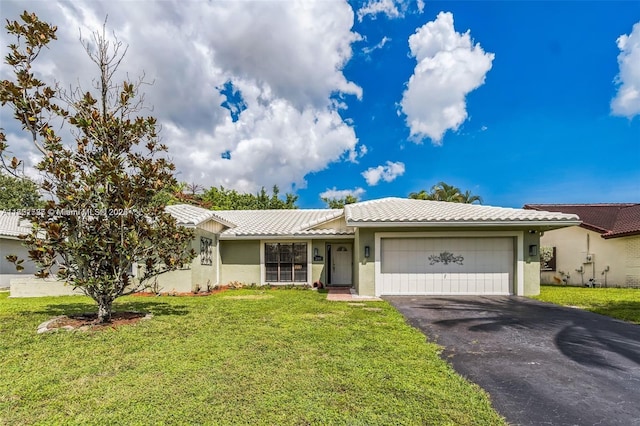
x=11, y=227
x=605, y=248
x=23, y=283
x=389, y=246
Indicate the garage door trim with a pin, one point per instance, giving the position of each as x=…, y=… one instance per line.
x=518, y=235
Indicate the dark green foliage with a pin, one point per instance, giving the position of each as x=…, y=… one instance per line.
x=445, y=192
x=229, y=199
x=103, y=214
x=339, y=203
x=18, y=193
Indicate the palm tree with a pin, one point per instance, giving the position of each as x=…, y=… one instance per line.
x=422, y=195
x=470, y=198
x=445, y=192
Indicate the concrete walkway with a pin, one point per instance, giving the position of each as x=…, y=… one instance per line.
x=347, y=294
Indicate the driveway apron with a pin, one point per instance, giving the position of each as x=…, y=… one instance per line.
x=541, y=364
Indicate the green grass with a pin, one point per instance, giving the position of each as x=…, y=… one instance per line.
x=621, y=303
x=238, y=357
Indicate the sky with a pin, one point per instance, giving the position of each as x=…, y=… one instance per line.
x=519, y=102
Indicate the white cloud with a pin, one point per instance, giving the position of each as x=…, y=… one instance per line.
x=375, y=7
x=339, y=194
x=626, y=103
x=392, y=9
x=272, y=143
x=286, y=58
x=387, y=173
x=449, y=67
x=357, y=152
x=380, y=45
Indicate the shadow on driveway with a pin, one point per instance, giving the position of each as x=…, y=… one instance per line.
x=541, y=363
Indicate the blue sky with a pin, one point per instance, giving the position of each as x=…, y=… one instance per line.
x=545, y=105
x=538, y=103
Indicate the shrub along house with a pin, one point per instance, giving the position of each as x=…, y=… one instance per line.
x=390, y=246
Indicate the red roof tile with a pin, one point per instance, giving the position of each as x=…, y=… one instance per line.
x=610, y=220
x=628, y=223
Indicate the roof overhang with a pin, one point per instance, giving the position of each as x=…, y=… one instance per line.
x=10, y=237
x=287, y=237
x=546, y=224
x=620, y=235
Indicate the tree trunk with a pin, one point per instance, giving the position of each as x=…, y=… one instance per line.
x=104, y=310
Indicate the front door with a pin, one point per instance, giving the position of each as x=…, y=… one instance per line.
x=341, y=264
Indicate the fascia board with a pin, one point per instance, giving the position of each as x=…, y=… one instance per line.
x=544, y=223
x=286, y=237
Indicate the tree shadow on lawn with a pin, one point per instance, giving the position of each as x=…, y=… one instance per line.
x=582, y=336
x=156, y=308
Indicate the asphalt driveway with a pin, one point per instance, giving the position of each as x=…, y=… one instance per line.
x=542, y=364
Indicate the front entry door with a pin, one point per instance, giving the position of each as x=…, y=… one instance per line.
x=341, y=264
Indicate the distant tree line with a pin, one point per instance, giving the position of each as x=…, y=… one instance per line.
x=220, y=198
x=23, y=193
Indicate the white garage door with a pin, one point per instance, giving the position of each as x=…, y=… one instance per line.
x=418, y=266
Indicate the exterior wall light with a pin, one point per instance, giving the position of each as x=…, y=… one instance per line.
x=533, y=250
x=367, y=251
x=315, y=251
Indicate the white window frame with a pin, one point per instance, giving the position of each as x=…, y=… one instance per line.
x=309, y=262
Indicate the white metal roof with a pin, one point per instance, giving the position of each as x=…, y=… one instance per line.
x=279, y=223
x=11, y=225
x=406, y=212
x=382, y=212
x=191, y=216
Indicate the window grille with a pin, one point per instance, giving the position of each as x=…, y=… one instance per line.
x=285, y=262
x=206, y=256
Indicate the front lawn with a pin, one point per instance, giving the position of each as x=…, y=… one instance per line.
x=243, y=356
x=621, y=303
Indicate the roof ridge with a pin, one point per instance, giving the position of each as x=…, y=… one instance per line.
x=335, y=214
x=375, y=201
x=624, y=205
x=276, y=210
x=202, y=214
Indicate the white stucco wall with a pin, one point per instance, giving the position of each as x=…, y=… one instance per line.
x=24, y=284
x=35, y=287
x=620, y=255
x=9, y=246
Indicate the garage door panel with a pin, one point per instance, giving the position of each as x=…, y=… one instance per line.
x=446, y=266
x=404, y=283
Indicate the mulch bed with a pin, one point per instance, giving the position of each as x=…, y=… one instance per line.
x=88, y=321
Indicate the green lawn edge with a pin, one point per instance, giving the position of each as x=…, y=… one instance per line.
x=238, y=357
x=620, y=303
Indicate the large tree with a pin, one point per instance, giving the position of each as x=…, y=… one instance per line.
x=103, y=215
x=442, y=191
x=339, y=203
x=230, y=199
x=18, y=193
